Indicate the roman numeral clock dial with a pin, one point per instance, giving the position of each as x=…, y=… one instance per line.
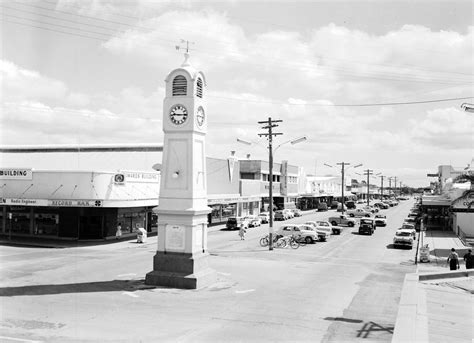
x=178, y=114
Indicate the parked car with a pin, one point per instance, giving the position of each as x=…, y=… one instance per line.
x=323, y=234
x=264, y=217
x=253, y=221
x=350, y=204
x=366, y=226
x=297, y=212
x=288, y=213
x=359, y=212
x=381, y=205
x=279, y=215
x=380, y=220
x=342, y=220
x=300, y=231
x=408, y=226
x=370, y=208
x=233, y=223
x=336, y=230
x=403, y=237
x=334, y=205
x=322, y=206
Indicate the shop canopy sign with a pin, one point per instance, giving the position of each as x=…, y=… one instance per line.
x=23, y=202
x=15, y=174
x=132, y=176
x=75, y=203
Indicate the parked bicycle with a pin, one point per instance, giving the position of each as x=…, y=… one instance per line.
x=265, y=241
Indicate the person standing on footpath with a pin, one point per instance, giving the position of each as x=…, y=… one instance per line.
x=469, y=259
x=453, y=260
x=118, y=233
x=242, y=232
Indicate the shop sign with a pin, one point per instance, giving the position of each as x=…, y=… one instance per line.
x=75, y=203
x=15, y=174
x=23, y=202
x=232, y=200
x=140, y=177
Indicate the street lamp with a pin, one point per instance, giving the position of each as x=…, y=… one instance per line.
x=343, y=185
x=271, y=151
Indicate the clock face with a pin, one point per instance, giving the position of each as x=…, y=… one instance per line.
x=200, y=116
x=178, y=114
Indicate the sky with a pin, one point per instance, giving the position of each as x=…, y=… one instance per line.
x=374, y=82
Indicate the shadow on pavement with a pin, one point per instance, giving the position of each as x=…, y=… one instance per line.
x=86, y=287
x=347, y=320
x=371, y=327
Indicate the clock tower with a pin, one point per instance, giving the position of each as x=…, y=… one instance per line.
x=181, y=260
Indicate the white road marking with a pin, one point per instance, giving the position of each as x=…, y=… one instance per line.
x=19, y=339
x=225, y=274
x=133, y=295
x=246, y=291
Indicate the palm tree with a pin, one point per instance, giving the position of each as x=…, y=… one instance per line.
x=468, y=194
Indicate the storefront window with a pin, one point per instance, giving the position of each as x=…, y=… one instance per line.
x=229, y=210
x=20, y=223
x=130, y=219
x=46, y=224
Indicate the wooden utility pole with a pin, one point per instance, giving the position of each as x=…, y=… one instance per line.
x=269, y=125
x=368, y=172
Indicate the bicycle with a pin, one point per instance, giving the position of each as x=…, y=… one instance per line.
x=288, y=240
x=265, y=241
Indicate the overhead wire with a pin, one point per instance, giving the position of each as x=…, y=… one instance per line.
x=239, y=55
x=235, y=99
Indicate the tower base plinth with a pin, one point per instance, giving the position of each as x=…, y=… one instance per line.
x=179, y=270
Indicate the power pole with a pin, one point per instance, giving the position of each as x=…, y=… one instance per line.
x=395, y=184
x=389, y=185
x=381, y=186
x=368, y=172
x=270, y=124
x=343, y=185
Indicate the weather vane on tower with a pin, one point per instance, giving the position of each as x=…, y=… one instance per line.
x=186, y=54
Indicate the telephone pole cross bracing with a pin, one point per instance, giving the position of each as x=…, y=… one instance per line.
x=269, y=125
x=368, y=172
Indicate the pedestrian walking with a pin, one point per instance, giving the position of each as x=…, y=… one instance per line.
x=242, y=232
x=118, y=233
x=469, y=259
x=453, y=260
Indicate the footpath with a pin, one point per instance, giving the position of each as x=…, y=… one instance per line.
x=436, y=303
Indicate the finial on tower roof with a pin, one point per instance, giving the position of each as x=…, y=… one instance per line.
x=186, y=54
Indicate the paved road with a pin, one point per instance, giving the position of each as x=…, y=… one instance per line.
x=346, y=289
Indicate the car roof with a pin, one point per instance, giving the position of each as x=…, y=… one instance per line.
x=404, y=230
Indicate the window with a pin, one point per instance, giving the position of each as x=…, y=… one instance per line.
x=199, y=88
x=180, y=85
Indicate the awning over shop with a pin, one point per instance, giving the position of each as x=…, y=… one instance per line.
x=431, y=201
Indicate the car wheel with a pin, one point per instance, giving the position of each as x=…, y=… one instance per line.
x=367, y=215
x=351, y=215
x=351, y=224
x=308, y=240
x=337, y=232
x=333, y=223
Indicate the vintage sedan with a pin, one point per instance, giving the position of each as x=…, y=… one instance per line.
x=359, y=212
x=380, y=220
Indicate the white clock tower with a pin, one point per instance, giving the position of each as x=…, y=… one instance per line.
x=181, y=260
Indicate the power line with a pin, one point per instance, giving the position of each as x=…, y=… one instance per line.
x=344, y=105
x=238, y=54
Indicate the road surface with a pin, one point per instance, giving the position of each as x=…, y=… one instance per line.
x=346, y=289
